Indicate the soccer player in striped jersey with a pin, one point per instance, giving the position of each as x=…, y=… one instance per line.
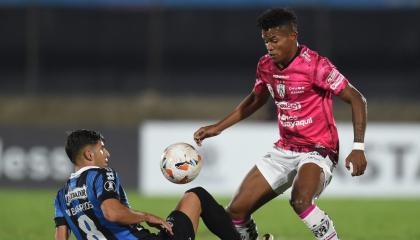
x=93, y=205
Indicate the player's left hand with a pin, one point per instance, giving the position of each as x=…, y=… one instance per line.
x=358, y=160
x=159, y=223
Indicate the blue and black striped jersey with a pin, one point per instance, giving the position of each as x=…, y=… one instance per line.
x=78, y=205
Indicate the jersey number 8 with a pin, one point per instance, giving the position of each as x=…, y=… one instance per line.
x=88, y=226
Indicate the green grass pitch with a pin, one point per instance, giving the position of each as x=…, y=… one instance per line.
x=28, y=215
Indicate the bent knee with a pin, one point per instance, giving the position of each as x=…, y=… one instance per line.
x=197, y=190
x=300, y=203
x=200, y=192
x=190, y=195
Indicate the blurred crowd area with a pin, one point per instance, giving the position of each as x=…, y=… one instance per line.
x=117, y=63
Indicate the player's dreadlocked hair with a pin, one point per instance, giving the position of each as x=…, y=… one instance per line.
x=79, y=139
x=277, y=17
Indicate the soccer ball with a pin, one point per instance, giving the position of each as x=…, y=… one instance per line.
x=180, y=163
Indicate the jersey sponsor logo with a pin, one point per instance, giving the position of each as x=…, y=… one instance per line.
x=110, y=186
x=283, y=105
x=333, y=74
x=334, y=79
x=280, y=76
x=297, y=123
x=337, y=82
x=79, y=208
x=284, y=117
x=297, y=90
x=77, y=193
x=305, y=55
x=281, y=90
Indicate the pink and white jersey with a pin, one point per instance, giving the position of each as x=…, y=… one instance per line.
x=303, y=95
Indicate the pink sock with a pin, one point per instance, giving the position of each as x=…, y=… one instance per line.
x=307, y=211
x=240, y=221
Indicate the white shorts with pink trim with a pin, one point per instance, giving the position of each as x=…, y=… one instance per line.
x=279, y=167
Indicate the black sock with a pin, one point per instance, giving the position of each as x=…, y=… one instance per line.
x=214, y=216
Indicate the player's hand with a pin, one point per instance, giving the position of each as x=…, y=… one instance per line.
x=358, y=160
x=205, y=132
x=159, y=223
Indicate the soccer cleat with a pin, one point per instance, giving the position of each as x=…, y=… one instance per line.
x=248, y=231
x=267, y=236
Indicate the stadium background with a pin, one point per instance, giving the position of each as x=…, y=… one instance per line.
x=120, y=65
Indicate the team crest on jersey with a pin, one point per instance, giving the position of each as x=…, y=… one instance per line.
x=77, y=193
x=281, y=89
x=110, y=186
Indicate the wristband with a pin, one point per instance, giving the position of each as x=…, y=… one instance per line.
x=359, y=146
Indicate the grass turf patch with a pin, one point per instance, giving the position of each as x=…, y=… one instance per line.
x=28, y=215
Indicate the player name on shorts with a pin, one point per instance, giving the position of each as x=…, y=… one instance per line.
x=77, y=193
x=79, y=208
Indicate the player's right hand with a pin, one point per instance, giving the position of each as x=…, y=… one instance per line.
x=159, y=223
x=205, y=132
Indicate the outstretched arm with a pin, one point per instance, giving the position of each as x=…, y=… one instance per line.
x=247, y=107
x=115, y=211
x=359, y=115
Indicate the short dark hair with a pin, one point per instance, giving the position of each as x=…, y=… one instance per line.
x=78, y=139
x=277, y=17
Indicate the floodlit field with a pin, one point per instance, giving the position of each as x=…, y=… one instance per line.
x=28, y=215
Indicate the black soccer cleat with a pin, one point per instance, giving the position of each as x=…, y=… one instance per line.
x=248, y=231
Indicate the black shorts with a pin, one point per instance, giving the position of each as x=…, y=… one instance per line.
x=181, y=227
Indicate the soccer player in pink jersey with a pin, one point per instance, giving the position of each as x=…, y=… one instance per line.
x=302, y=84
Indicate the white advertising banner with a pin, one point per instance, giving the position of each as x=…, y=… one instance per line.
x=392, y=150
